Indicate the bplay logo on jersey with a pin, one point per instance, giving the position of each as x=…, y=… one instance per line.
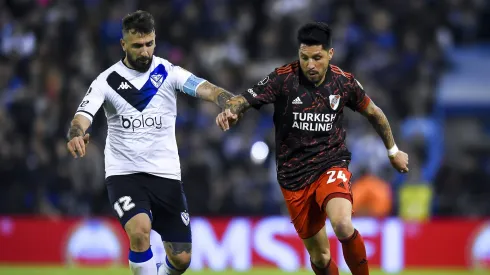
x=141, y=122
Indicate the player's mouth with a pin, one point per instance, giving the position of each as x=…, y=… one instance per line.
x=312, y=73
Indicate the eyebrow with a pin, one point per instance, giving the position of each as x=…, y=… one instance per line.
x=315, y=54
x=138, y=44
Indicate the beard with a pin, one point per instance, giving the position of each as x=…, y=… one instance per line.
x=141, y=64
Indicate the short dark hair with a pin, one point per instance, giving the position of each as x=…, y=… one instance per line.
x=315, y=33
x=138, y=22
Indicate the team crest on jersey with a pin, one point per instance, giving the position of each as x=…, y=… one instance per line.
x=185, y=218
x=334, y=101
x=156, y=80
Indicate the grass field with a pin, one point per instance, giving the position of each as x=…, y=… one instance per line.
x=6, y=270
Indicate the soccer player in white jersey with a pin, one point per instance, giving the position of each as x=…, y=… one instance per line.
x=142, y=165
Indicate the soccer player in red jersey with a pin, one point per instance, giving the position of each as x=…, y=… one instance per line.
x=309, y=96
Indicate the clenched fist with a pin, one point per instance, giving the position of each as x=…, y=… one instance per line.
x=77, y=145
x=399, y=161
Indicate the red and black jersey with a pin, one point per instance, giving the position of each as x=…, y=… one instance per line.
x=310, y=137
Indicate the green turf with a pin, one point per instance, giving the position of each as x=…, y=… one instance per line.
x=8, y=270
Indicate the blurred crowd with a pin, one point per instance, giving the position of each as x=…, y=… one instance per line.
x=50, y=51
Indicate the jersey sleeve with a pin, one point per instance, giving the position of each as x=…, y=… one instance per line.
x=91, y=102
x=265, y=92
x=357, y=99
x=184, y=81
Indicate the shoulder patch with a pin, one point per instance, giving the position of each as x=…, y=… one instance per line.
x=264, y=81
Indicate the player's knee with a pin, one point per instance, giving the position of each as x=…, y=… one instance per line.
x=140, y=239
x=320, y=258
x=342, y=226
x=181, y=261
x=138, y=231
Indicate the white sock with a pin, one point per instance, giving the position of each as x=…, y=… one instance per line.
x=168, y=269
x=142, y=263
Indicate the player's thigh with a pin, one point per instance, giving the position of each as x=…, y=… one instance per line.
x=171, y=217
x=334, y=183
x=307, y=217
x=318, y=245
x=334, y=196
x=339, y=211
x=130, y=201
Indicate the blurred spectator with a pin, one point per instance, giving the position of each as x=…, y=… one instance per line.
x=372, y=196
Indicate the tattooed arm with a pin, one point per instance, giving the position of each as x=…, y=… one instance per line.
x=76, y=135
x=213, y=93
x=237, y=105
x=380, y=123
x=233, y=111
x=398, y=159
x=79, y=125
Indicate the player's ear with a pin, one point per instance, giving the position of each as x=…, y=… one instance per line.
x=123, y=44
x=330, y=54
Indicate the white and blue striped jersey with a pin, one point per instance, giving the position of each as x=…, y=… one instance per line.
x=141, y=111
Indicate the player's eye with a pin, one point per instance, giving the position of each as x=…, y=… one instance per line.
x=137, y=46
x=149, y=44
x=317, y=58
x=305, y=58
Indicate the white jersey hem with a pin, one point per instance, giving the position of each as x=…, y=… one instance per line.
x=161, y=175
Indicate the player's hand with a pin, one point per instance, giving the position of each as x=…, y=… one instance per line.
x=400, y=161
x=226, y=118
x=77, y=145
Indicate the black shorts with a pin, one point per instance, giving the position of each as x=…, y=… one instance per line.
x=161, y=198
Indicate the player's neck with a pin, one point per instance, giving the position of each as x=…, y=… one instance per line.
x=321, y=81
x=126, y=63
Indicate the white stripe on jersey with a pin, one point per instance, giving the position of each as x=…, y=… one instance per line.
x=141, y=111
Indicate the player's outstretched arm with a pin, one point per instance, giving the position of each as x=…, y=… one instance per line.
x=210, y=92
x=378, y=119
x=233, y=111
x=77, y=139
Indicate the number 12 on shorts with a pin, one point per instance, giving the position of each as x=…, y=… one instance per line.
x=123, y=204
x=334, y=175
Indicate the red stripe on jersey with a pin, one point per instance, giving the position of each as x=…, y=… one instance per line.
x=338, y=70
x=363, y=104
x=285, y=69
x=289, y=68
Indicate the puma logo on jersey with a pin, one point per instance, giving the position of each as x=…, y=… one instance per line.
x=124, y=86
x=297, y=101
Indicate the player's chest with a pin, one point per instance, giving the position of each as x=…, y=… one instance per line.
x=325, y=99
x=141, y=95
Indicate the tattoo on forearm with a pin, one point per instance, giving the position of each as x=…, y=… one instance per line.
x=237, y=105
x=217, y=95
x=382, y=127
x=223, y=97
x=178, y=248
x=76, y=130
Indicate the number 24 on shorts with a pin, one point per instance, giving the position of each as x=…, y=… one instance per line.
x=334, y=175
